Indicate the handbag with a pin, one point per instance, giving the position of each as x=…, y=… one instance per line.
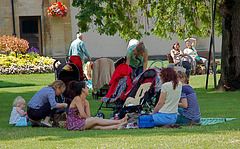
x=146, y=121
x=22, y=122
x=59, y=120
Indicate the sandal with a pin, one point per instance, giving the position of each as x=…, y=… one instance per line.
x=45, y=125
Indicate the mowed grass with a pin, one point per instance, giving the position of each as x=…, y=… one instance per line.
x=212, y=103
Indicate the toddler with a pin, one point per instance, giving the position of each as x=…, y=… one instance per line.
x=88, y=69
x=18, y=116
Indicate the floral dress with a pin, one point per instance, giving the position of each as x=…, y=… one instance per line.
x=73, y=121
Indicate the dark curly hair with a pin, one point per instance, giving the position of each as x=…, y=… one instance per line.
x=77, y=86
x=168, y=75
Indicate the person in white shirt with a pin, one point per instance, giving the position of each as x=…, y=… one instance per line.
x=18, y=115
x=165, y=112
x=191, y=50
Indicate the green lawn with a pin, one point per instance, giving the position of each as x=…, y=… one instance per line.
x=212, y=104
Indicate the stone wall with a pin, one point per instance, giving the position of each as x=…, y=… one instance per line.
x=56, y=33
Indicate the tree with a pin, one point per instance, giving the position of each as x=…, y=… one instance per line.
x=163, y=18
x=230, y=63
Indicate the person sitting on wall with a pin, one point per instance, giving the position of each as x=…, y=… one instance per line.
x=176, y=51
x=191, y=50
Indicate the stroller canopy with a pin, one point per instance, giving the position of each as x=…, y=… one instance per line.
x=145, y=85
x=120, y=82
x=67, y=72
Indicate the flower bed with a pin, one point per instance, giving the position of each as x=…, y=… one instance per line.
x=25, y=64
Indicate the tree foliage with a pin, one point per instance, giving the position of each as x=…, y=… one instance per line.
x=135, y=18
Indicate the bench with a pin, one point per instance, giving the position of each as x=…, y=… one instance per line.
x=205, y=54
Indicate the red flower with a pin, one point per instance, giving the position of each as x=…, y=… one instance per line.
x=59, y=4
x=57, y=9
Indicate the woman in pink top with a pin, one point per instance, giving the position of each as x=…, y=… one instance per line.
x=79, y=117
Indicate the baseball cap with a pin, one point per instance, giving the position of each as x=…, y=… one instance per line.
x=79, y=35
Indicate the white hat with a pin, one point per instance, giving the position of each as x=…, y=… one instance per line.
x=79, y=35
x=133, y=42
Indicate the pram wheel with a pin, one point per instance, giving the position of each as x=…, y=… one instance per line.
x=100, y=115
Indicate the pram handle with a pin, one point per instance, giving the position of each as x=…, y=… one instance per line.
x=54, y=64
x=67, y=59
x=177, y=57
x=189, y=57
x=55, y=68
x=155, y=62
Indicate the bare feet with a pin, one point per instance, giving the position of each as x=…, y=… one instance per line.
x=122, y=125
x=124, y=119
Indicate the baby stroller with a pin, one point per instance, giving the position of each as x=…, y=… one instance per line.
x=78, y=62
x=66, y=72
x=185, y=64
x=145, y=92
x=120, y=83
x=102, y=71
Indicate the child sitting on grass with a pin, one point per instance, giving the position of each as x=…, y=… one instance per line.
x=18, y=116
x=189, y=110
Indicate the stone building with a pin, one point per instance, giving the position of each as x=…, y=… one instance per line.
x=29, y=20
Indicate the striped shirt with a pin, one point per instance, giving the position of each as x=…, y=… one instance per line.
x=43, y=96
x=193, y=110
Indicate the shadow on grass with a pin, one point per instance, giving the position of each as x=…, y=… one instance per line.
x=58, y=134
x=5, y=84
x=215, y=105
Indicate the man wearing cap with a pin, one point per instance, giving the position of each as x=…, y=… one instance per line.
x=77, y=51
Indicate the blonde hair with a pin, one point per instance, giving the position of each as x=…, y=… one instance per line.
x=184, y=76
x=88, y=66
x=17, y=101
x=58, y=84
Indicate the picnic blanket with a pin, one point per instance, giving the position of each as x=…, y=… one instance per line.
x=213, y=121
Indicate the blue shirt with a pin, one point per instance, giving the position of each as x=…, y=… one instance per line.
x=193, y=110
x=77, y=48
x=43, y=96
